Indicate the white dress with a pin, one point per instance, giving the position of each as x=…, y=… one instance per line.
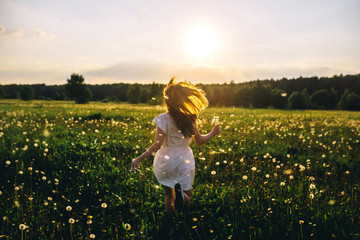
x=174, y=161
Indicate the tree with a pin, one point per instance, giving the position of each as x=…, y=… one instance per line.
x=77, y=90
x=320, y=99
x=134, y=93
x=59, y=96
x=145, y=95
x=84, y=95
x=261, y=95
x=342, y=102
x=334, y=98
x=299, y=100
x=278, y=98
x=353, y=102
x=243, y=97
x=27, y=93
x=2, y=92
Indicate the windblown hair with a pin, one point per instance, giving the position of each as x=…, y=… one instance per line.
x=184, y=102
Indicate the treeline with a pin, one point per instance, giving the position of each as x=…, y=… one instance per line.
x=337, y=92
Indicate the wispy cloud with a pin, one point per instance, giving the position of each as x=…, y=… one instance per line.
x=40, y=34
x=16, y=32
x=36, y=34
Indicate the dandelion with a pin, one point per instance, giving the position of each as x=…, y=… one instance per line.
x=245, y=177
x=46, y=133
x=213, y=172
x=92, y=235
x=215, y=120
x=71, y=221
x=282, y=184
x=68, y=208
x=301, y=221
x=127, y=226
x=22, y=226
x=7, y=162
x=287, y=171
x=104, y=205
x=267, y=175
x=253, y=169
x=331, y=202
x=312, y=186
x=311, y=196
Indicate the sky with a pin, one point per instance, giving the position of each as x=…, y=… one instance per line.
x=201, y=41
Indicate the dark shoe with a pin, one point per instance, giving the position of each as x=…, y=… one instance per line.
x=179, y=198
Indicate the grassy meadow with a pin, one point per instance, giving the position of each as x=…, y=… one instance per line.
x=270, y=174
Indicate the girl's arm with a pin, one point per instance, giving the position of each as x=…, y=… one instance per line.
x=159, y=138
x=200, y=139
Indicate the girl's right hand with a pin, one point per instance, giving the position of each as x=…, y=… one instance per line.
x=216, y=129
x=135, y=163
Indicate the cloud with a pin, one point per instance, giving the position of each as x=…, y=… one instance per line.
x=39, y=34
x=145, y=71
x=16, y=32
x=20, y=32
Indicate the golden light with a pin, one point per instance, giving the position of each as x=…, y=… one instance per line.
x=202, y=42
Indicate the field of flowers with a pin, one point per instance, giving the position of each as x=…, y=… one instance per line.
x=270, y=174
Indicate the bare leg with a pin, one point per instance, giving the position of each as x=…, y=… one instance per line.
x=187, y=196
x=169, y=201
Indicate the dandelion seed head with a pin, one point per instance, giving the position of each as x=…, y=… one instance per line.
x=127, y=226
x=22, y=226
x=71, y=221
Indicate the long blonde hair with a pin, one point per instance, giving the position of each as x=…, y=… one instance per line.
x=184, y=102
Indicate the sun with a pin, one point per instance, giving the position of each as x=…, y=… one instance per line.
x=202, y=42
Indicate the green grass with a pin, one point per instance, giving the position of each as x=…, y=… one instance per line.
x=269, y=175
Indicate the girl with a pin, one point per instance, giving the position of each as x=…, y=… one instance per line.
x=174, y=164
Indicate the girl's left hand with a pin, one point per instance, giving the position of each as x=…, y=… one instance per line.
x=135, y=163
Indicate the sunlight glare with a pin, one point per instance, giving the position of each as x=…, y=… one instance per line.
x=202, y=42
